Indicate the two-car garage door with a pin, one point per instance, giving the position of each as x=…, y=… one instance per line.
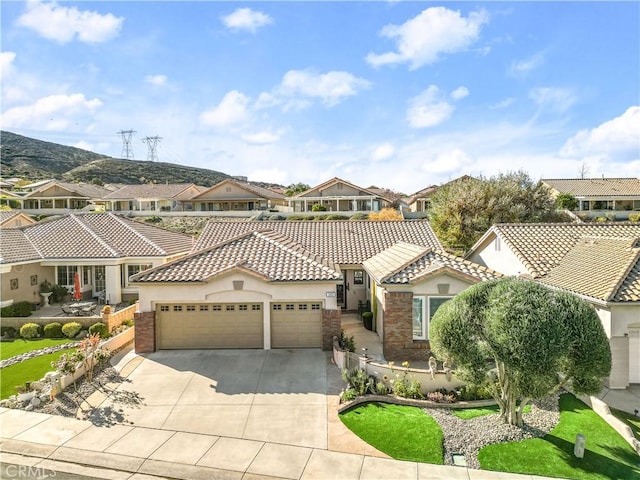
x=238, y=325
x=210, y=325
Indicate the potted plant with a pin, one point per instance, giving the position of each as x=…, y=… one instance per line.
x=46, y=290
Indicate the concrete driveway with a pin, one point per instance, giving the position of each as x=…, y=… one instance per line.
x=277, y=396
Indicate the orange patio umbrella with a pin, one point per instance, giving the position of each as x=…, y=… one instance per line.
x=77, y=294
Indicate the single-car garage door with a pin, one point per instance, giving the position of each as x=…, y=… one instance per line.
x=296, y=325
x=209, y=325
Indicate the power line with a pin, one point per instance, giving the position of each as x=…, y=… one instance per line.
x=127, y=149
x=152, y=144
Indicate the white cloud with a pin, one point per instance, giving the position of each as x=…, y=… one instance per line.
x=62, y=24
x=245, y=19
x=455, y=160
x=300, y=87
x=459, y=93
x=553, y=98
x=522, y=67
x=428, y=109
x=503, y=103
x=423, y=39
x=622, y=134
x=381, y=152
x=157, y=80
x=54, y=112
x=261, y=138
x=231, y=110
x=6, y=63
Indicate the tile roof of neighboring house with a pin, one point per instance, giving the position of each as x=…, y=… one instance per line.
x=7, y=215
x=404, y=263
x=101, y=235
x=266, y=253
x=255, y=189
x=152, y=190
x=16, y=247
x=342, y=241
x=82, y=189
x=603, y=268
x=541, y=246
x=596, y=187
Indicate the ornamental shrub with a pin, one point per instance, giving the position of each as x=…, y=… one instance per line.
x=19, y=309
x=336, y=216
x=359, y=216
x=29, y=330
x=8, y=332
x=634, y=217
x=318, y=208
x=99, y=328
x=71, y=329
x=53, y=330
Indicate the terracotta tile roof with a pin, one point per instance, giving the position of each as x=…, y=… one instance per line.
x=160, y=190
x=404, y=263
x=87, y=190
x=7, y=215
x=600, y=268
x=248, y=187
x=310, y=193
x=596, y=187
x=541, y=246
x=101, y=235
x=16, y=247
x=266, y=253
x=343, y=241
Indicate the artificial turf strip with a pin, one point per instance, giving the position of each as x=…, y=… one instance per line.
x=607, y=454
x=403, y=433
x=20, y=346
x=27, y=371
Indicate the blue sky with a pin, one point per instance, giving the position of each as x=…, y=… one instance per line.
x=400, y=95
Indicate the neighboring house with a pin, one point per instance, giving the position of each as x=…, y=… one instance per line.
x=284, y=284
x=152, y=197
x=411, y=281
x=235, y=195
x=420, y=202
x=598, y=262
x=13, y=219
x=55, y=197
x=105, y=249
x=337, y=195
x=600, y=197
x=11, y=199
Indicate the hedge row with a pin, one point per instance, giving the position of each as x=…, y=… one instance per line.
x=52, y=330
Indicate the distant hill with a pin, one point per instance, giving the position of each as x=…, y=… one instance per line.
x=33, y=159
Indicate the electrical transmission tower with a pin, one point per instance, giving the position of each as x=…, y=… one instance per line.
x=152, y=143
x=127, y=149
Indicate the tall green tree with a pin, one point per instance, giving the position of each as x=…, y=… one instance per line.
x=523, y=340
x=462, y=211
x=296, y=188
x=566, y=201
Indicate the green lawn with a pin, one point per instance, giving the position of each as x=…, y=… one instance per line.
x=28, y=371
x=607, y=455
x=20, y=345
x=403, y=433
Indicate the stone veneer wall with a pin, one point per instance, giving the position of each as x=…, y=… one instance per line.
x=398, y=343
x=145, y=341
x=331, y=325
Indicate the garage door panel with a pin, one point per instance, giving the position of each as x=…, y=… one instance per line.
x=209, y=326
x=296, y=325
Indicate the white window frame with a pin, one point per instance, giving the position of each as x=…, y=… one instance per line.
x=426, y=314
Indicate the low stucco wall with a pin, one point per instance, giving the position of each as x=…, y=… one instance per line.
x=602, y=409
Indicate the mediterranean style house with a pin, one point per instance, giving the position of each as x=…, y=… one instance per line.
x=105, y=249
x=235, y=195
x=337, y=195
x=600, y=197
x=13, y=219
x=284, y=284
x=597, y=262
x=152, y=197
x=56, y=197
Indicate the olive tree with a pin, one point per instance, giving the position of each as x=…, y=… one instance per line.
x=523, y=339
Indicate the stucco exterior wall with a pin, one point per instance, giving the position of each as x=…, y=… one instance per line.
x=493, y=253
x=25, y=291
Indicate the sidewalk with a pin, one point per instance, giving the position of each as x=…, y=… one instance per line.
x=62, y=444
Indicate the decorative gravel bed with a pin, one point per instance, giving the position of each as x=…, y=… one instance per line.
x=36, y=353
x=468, y=437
